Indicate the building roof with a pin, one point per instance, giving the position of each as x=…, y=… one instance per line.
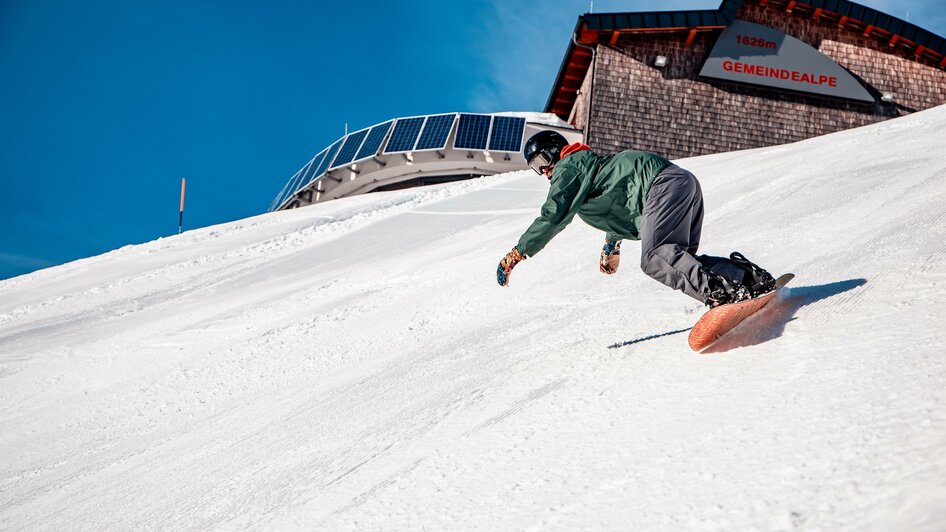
x=597, y=28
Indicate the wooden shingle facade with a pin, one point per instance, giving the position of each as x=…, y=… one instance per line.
x=610, y=72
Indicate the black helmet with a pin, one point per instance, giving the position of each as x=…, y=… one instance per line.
x=544, y=149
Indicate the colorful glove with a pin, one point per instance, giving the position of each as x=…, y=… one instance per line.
x=610, y=257
x=506, y=265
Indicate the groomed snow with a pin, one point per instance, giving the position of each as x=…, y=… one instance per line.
x=354, y=366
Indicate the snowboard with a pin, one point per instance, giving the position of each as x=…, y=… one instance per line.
x=722, y=319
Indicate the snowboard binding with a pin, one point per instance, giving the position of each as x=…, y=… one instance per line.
x=756, y=280
x=723, y=291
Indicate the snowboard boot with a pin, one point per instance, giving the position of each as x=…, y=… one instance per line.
x=757, y=280
x=722, y=291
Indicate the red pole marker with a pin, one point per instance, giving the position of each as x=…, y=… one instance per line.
x=180, y=220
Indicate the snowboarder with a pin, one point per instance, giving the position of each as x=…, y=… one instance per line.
x=633, y=195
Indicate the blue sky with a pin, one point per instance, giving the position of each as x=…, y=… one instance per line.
x=105, y=106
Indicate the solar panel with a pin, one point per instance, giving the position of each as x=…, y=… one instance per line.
x=404, y=135
x=350, y=148
x=436, y=130
x=294, y=182
x=507, y=133
x=374, y=140
x=290, y=188
x=310, y=171
x=472, y=132
x=329, y=155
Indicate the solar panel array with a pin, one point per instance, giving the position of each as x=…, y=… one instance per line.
x=403, y=135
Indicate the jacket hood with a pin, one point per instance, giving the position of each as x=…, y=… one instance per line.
x=573, y=148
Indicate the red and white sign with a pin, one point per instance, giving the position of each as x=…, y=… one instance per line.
x=756, y=54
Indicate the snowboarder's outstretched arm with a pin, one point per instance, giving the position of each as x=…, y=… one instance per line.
x=559, y=210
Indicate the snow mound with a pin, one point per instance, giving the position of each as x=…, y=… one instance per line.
x=354, y=366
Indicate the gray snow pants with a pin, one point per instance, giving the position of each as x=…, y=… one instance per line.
x=670, y=235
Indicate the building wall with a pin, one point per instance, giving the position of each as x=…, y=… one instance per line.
x=579, y=114
x=670, y=112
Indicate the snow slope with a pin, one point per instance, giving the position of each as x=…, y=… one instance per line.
x=354, y=366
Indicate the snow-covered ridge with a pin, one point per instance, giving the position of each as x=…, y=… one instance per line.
x=354, y=366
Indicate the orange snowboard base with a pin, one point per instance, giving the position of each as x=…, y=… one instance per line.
x=722, y=319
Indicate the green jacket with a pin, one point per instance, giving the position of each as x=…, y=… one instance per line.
x=606, y=191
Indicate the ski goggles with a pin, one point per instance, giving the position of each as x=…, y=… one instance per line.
x=541, y=162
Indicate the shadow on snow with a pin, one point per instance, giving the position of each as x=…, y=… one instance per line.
x=645, y=338
x=769, y=323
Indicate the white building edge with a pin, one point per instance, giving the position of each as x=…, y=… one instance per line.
x=419, y=150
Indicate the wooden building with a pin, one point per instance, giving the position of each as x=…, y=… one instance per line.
x=751, y=73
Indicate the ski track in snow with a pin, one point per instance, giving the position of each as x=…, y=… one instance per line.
x=353, y=365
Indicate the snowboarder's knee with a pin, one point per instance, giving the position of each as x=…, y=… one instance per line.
x=651, y=264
